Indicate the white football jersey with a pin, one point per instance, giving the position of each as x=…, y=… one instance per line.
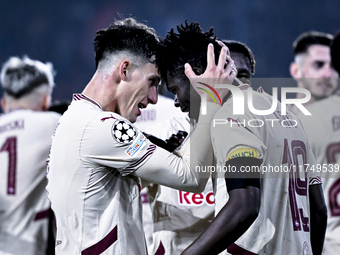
x=179, y=217
x=25, y=138
x=152, y=115
x=95, y=200
x=282, y=226
x=323, y=133
x=95, y=194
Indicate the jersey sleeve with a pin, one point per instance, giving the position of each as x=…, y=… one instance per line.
x=116, y=143
x=231, y=139
x=113, y=141
x=180, y=171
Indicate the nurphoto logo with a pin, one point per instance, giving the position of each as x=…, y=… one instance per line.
x=239, y=101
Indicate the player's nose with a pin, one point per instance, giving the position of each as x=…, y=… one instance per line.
x=327, y=72
x=176, y=102
x=153, y=95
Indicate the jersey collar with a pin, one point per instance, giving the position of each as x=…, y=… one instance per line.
x=79, y=97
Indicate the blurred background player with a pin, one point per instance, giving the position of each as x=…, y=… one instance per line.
x=180, y=217
x=243, y=58
x=323, y=132
x=312, y=67
x=25, y=135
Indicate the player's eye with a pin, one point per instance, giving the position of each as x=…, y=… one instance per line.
x=154, y=82
x=243, y=76
x=319, y=64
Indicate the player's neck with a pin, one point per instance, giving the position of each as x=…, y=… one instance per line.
x=101, y=90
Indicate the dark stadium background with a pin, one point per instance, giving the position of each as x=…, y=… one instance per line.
x=62, y=31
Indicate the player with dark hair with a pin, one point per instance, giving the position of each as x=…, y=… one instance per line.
x=262, y=215
x=312, y=67
x=180, y=217
x=243, y=58
x=26, y=129
x=97, y=156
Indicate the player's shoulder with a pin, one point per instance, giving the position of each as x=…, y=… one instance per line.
x=321, y=110
x=38, y=117
x=43, y=120
x=106, y=118
x=325, y=105
x=259, y=96
x=46, y=116
x=113, y=125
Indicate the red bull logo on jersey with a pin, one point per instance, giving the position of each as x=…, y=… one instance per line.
x=243, y=152
x=196, y=199
x=136, y=145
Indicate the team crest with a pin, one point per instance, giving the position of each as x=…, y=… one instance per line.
x=123, y=132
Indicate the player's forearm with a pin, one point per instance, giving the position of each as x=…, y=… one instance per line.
x=184, y=173
x=318, y=218
x=231, y=222
x=167, y=169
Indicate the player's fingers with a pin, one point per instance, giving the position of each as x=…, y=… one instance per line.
x=183, y=133
x=210, y=56
x=188, y=71
x=233, y=73
x=222, y=58
x=230, y=65
x=223, y=45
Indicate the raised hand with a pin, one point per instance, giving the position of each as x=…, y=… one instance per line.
x=222, y=73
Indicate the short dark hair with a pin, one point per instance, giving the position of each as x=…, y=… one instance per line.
x=189, y=45
x=335, y=52
x=301, y=44
x=236, y=46
x=129, y=35
x=20, y=76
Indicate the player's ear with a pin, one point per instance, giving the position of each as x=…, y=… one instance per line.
x=124, y=70
x=3, y=104
x=295, y=70
x=45, y=104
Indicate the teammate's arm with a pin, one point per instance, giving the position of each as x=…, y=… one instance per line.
x=235, y=217
x=181, y=173
x=318, y=218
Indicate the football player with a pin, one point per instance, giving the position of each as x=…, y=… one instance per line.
x=26, y=128
x=312, y=67
x=323, y=132
x=180, y=217
x=272, y=214
x=97, y=155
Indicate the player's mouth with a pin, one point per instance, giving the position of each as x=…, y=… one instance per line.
x=140, y=106
x=325, y=86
